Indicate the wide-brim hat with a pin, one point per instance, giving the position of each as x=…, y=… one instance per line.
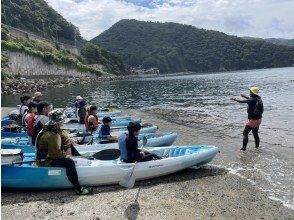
x=55, y=117
x=254, y=90
x=37, y=94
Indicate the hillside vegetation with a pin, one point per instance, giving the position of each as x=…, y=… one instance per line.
x=38, y=17
x=173, y=47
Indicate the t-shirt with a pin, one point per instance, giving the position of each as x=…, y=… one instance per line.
x=132, y=148
x=104, y=131
x=23, y=109
x=40, y=121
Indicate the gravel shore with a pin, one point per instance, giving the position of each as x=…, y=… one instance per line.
x=206, y=193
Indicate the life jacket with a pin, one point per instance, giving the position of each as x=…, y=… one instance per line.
x=30, y=125
x=87, y=124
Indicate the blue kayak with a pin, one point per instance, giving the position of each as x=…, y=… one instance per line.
x=73, y=124
x=102, y=112
x=153, y=140
x=6, y=121
x=146, y=128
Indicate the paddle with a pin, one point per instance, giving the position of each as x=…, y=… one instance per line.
x=128, y=180
x=107, y=154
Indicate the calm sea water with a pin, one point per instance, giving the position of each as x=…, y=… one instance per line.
x=202, y=102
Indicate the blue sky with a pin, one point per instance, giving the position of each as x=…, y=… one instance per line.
x=256, y=18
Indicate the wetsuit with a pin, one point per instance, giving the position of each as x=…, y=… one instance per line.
x=133, y=154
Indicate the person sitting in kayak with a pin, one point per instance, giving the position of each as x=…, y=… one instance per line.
x=25, y=100
x=28, y=120
x=81, y=110
x=255, y=111
x=128, y=145
x=38, y=97
x=41, y=118
x=104, y=132
x=32, y=110
x=56, y=148
x=91, y=119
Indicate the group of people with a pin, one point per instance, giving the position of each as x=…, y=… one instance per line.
x=55, y=148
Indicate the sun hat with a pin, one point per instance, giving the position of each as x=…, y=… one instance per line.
x=38, y=94
x=254, y=90
x=55, y=116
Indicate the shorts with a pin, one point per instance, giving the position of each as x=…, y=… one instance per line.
x=253, y=123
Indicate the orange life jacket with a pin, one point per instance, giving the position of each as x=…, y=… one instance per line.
x=30, y=125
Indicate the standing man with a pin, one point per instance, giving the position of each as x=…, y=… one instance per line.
x=255, y=111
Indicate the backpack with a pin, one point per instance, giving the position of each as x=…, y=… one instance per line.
x=258, y=110
x=30, y=125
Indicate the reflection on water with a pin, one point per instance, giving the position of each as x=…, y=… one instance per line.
x=202, y=102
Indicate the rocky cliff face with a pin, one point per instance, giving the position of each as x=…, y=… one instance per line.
x=25, y=65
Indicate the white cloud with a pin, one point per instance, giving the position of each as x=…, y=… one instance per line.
x=257, y=18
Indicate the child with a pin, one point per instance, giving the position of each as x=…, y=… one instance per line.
x=104, y=132
x=32, y=109
x=91, y=119
x=28, y=120
x=128, y=145
x=25, y=100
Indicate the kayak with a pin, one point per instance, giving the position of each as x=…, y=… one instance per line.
x=75, y=125
x=116, y=131
x=6, y=121
x=153, y=140
x=104, y=172
x=111, y=112
x=102, y=112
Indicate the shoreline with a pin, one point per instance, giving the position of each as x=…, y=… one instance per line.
x=210, y=192
x=17, y=86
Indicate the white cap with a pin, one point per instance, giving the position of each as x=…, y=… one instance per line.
x=79, y=97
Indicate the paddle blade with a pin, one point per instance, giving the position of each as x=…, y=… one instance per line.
x=128, y=181
x=108, y=154
x=144, y=141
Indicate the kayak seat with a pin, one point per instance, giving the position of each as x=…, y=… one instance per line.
x=171, y=152
x=176, y=153
x=182, y=152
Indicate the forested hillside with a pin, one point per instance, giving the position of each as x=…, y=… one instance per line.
x=175, y=47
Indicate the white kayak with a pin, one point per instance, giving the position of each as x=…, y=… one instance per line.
x=99, y=172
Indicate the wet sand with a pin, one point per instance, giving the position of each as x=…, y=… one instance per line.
x=207, y=193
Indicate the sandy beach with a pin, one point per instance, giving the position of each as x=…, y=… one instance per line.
x=210, y=192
